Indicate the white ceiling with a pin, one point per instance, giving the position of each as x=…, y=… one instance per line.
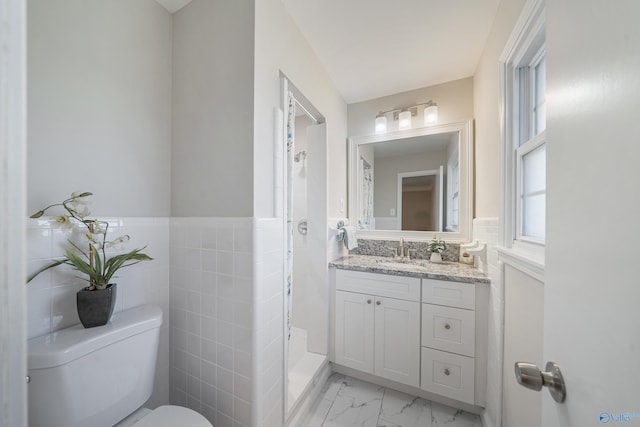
x=173, y=5
x=374, y=48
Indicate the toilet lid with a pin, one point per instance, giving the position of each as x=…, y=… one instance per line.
x=173, y=416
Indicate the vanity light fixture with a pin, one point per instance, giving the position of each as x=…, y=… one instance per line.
x=381, y=123
x=430, y=113
x=403, y=116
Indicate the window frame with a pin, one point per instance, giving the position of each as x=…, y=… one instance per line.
x=523, y=52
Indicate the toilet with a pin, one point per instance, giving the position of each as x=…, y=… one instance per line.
x=101, y=377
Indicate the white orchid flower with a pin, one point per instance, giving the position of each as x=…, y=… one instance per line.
x=99, y=227
x=78, y=199
x=95, y=240
x=63, y=222
x=118, y=243
x=82, y=214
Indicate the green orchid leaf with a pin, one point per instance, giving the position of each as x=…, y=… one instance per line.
x=82, y=266
x=54, y=264
x=37, y=214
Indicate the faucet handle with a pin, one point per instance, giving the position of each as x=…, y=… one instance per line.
x=409, y=251
x=395, y=251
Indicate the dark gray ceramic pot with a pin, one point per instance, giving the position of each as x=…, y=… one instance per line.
x=96, y=307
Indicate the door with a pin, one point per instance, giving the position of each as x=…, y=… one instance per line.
x=354, y=330
x=419, y=200
x=397, y=340
x=592, y=283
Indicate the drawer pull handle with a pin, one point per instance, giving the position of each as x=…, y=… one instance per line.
x=447, y=326
x=368, y=301
x=447, y=372
x=378, y=302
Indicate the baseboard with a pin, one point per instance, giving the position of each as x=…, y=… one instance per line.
x=486, y=421
x=300, y=412
x=477, y=410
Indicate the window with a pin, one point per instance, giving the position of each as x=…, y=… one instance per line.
x=524, y=151
x=530, y=152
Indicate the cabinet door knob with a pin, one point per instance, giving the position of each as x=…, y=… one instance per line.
x=368, y=301
x=378, y=302
x=447, y=326
x=447, y=372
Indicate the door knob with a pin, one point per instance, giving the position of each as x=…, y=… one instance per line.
x=529, y=376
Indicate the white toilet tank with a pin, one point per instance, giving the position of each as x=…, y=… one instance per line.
x=94, y=377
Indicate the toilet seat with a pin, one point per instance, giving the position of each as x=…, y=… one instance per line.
x=173, y=416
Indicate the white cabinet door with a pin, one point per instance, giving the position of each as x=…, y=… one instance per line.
x=397, y=340
x=449, y=329
x=354, y=330
x=448, y=374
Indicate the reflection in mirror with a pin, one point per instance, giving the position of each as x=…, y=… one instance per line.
x=409, y=188
x=410, y=181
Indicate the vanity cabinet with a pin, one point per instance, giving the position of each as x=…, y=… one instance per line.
x=427, y=333
x=449, y=339
x=378, y=325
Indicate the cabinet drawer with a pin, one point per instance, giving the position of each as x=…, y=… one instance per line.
x=385, y=285
x=449, y=329
x=451, y=294
x=448, y=374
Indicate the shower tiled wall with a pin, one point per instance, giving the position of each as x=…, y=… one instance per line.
x=51, y=300
x=212, y=303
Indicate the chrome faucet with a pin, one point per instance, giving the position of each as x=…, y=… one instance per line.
x=401, y=251
x=401, y=248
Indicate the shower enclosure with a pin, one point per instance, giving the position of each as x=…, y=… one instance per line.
x=306, y=289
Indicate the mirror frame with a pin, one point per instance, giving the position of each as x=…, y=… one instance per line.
x=465, y=150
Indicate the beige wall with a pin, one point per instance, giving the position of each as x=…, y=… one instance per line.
x=486, y=87
x=99, y=104
x=455, y=102
x=486, y=92
x=280, y=47
x=212, y=149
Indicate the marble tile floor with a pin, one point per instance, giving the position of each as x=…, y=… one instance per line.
x=346, y=402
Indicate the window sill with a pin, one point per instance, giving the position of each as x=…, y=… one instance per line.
x=527, y=264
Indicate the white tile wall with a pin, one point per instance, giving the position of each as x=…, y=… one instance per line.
x=486, y=230
x=51, y=295
x=269, y=321
x=212, y=314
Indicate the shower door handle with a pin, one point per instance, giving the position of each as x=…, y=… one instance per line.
x=302, y=227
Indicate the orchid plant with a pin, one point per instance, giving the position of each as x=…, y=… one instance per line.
x=437, y=245
x=92, y=262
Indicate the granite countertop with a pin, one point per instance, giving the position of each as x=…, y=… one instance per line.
x=453, y=271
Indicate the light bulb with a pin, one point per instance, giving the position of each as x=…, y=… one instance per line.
x=404, y=120
x=431, y=114
x=381, y=123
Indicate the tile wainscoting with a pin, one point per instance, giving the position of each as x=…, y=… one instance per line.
x=211, y=310
x=51, y=300
x=486, y=230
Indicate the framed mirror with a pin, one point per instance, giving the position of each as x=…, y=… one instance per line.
x=413, y=183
